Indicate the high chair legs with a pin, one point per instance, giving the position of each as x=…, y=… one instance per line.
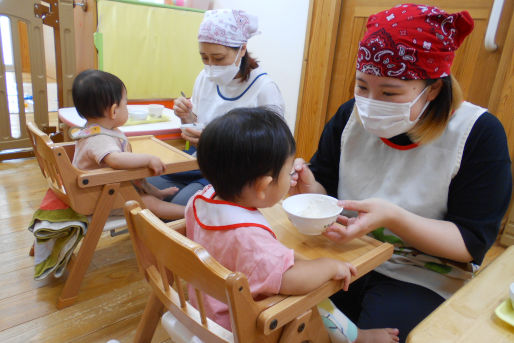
x=149, y=320
x=307, y=327
x=71, y=288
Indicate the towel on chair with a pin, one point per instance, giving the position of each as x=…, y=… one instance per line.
x=57, y=230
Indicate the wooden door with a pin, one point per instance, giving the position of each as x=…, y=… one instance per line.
x=85, y=22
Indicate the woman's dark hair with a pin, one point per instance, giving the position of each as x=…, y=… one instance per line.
x=241, y=146
x=94, y=91
x=248, y=63
x=435, y=118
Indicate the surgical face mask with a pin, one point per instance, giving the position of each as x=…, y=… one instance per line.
x=222, y=75
x=387, y=119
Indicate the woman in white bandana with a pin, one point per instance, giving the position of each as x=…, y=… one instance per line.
x=231, y=78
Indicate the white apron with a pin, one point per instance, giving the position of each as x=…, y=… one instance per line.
x=417, y=180
x=211, y=101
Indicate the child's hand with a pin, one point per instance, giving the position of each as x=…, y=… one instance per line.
x=167, y=192
x=344, y=271
x=156, y=165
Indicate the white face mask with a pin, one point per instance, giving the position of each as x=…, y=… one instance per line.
x=387, y=119
x=222, y=75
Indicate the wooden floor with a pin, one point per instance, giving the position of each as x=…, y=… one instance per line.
x=113, y=293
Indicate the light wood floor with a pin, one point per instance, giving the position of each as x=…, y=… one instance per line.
x=113, y=293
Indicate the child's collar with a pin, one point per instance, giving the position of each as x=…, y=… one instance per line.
x=213, y=214
x=93, y=129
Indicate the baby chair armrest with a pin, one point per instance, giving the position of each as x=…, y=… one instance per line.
x=66, y=145
x=178, y=225
x=105, y=176
x=293, y=306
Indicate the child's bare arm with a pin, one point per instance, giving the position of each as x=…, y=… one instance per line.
x=130, y=160
x=307, y=275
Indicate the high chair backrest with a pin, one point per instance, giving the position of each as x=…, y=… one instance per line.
x=65, y=180
x=54, y=160
x=166, y=257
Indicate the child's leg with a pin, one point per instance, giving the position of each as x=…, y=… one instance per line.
x=185, y=193
x=163, y=209
x=162, y=182
x=341, y=329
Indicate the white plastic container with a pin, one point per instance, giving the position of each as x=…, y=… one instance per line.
x=138, y=114
x=177, y=332
x=155, y=110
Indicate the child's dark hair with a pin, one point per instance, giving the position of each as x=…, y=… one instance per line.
x=94, y=91
x=241, y=146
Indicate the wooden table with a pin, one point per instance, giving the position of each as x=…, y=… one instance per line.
x=364, y=253
x=468, y=316
x=70, y=118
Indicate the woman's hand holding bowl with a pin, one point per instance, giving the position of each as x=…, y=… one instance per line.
x=192, y=133
x=372, y=214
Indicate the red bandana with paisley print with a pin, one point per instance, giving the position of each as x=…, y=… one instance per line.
x=412, y=42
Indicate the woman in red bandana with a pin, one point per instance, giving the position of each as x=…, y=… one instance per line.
x=413, y=165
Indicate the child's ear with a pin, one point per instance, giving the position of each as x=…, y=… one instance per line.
x=112, y=111
x=261, y=185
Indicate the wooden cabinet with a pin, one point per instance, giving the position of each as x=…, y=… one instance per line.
x=336, y=27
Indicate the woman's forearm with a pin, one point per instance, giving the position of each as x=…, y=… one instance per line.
x=434, y=237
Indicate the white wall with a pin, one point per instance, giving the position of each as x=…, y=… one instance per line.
x=279, y=48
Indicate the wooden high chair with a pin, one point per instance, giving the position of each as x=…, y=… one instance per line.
x=93, y=192
x=166, y=257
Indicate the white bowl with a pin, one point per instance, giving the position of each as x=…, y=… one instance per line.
x=196, y=126
x=155, y=110
x=311, y=214
x=138, y=114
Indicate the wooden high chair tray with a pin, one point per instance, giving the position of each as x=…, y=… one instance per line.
x=174, y=159
x=364, y=253
x=170, y=155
